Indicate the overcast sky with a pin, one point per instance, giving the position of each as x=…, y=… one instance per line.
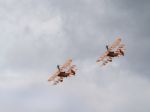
x=36, y=35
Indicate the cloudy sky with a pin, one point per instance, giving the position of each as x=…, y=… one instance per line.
x=36, y=35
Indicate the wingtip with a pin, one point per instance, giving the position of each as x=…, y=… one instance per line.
x=118, y=38
x=70, y=59
x=97, y=61
x=49, y=80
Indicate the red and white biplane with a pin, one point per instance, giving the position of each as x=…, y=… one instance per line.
x=65, y=70
x=117, y=49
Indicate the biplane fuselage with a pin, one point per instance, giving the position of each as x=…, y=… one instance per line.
x=112, y=54
x=63, y=74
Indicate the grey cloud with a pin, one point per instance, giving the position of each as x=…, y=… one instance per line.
x=29, y=35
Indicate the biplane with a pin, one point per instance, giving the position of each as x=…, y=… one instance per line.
x=117, y=49
x=63, y=71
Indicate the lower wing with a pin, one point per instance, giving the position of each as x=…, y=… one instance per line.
x=102, y=57
x=109, y=59
x=55, y=74
x=58, y=79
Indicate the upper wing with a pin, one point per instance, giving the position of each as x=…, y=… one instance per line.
x=67, y=63
x=116, y=43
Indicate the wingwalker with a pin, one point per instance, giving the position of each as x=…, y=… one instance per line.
x=117, y=49
x=66, y=70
